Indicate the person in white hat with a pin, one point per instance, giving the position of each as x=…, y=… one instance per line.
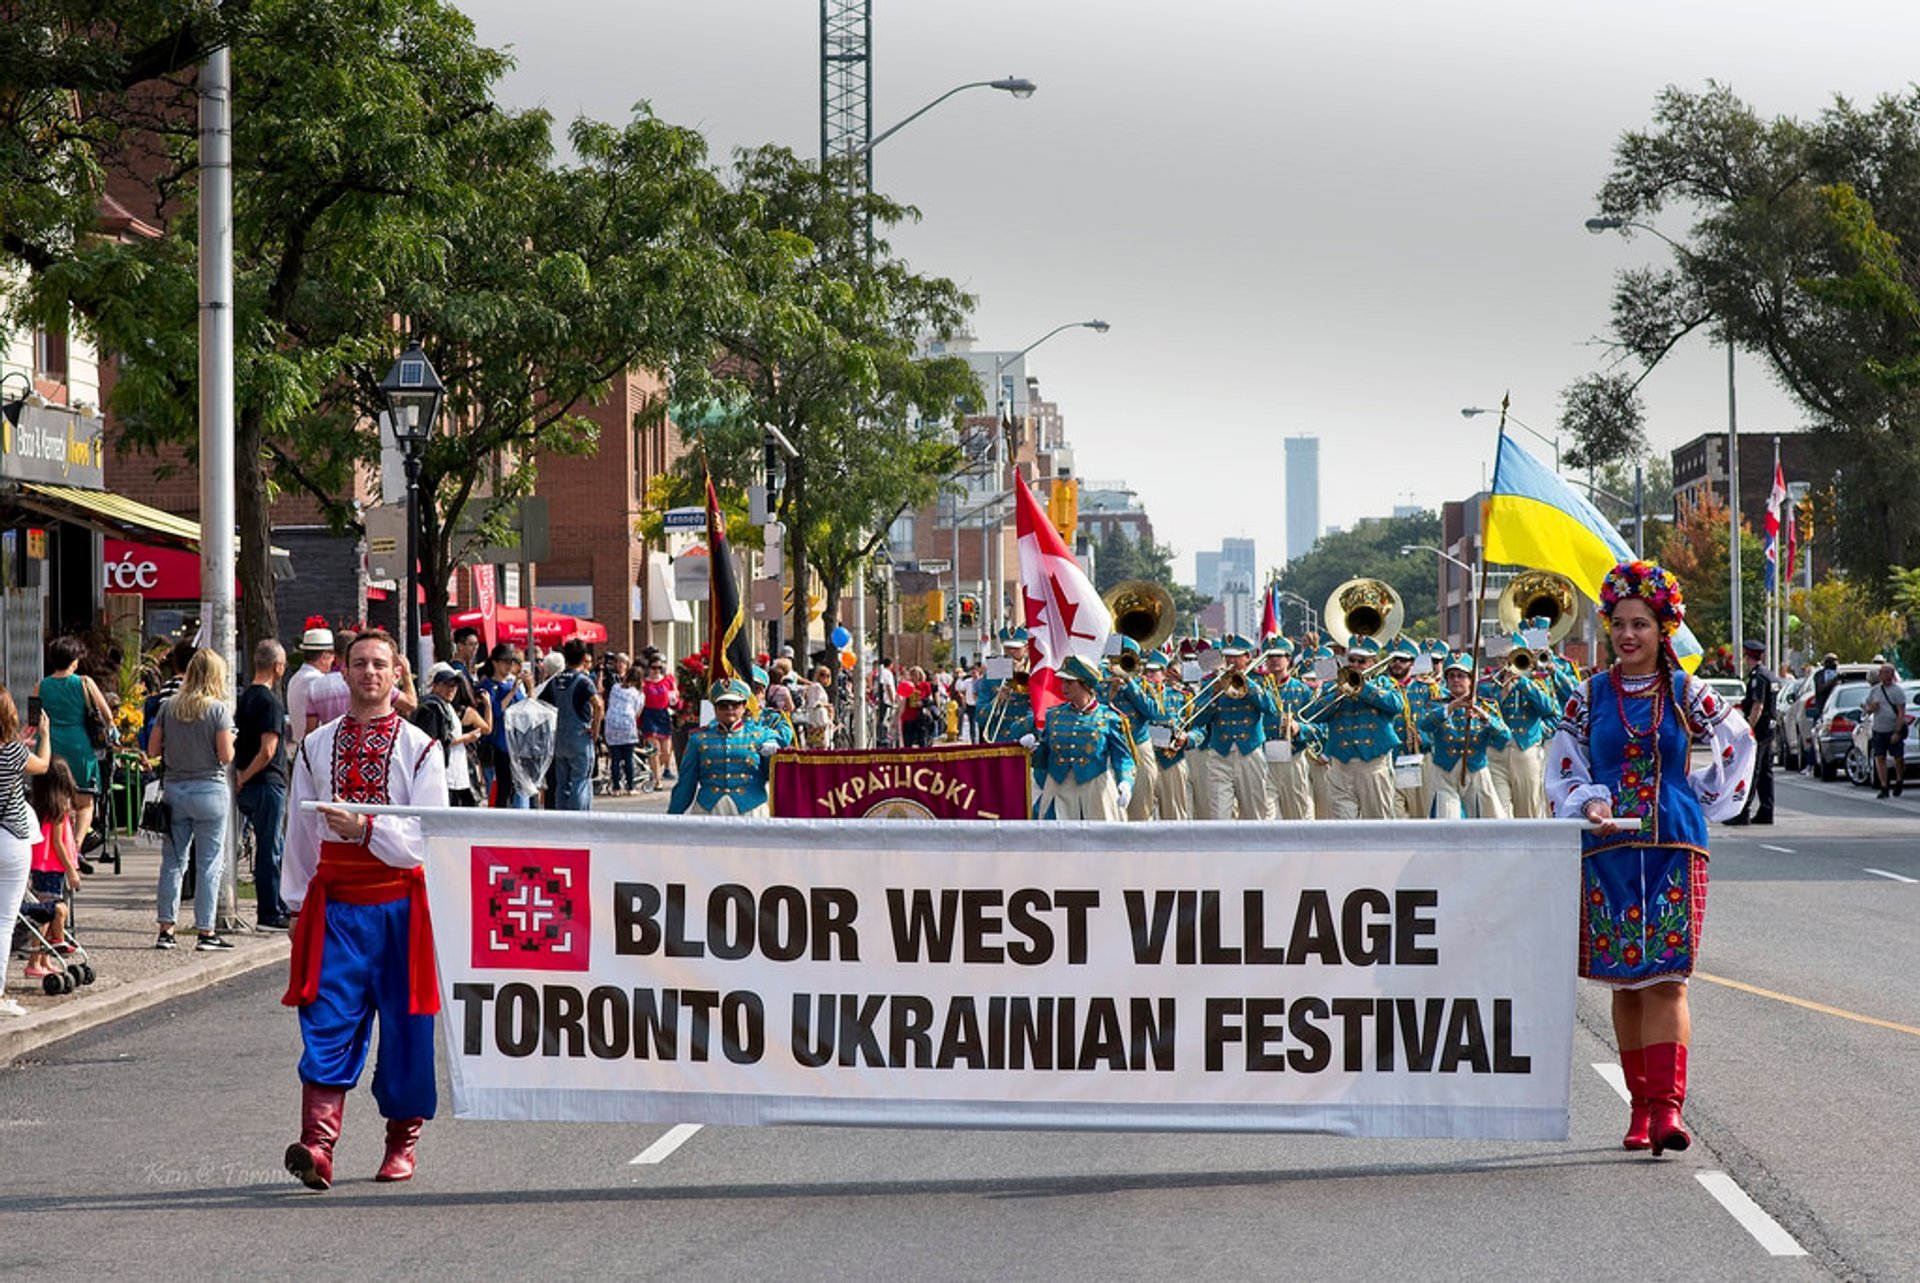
x=316, y=651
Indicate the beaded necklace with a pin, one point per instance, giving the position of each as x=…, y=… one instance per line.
x=1620, y=702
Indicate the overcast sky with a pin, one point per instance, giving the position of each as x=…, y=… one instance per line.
x=1344, y=218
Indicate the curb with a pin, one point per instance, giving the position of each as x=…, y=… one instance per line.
x=21, y=1035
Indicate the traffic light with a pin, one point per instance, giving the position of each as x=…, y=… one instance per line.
x=969, y=611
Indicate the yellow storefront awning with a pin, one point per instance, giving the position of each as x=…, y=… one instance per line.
x=117, y=516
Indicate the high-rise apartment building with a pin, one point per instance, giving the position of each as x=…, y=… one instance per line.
x=1303, y=494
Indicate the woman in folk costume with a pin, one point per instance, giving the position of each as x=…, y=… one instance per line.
x=1621, y=754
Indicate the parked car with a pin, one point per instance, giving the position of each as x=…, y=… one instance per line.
x=1859, y=766
x=1827, y=759
x=1833, y=733
x=1790, y=719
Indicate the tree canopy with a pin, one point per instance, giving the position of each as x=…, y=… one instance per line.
x=1794, y=253
x=1371, y=550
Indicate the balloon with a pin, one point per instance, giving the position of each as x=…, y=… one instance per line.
x=1793, y=623
x=846, y=659
x=840, y=637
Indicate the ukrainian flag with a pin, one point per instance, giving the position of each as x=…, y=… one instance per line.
x=1536, y=519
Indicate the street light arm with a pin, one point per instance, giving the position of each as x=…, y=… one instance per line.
x=1018, y=88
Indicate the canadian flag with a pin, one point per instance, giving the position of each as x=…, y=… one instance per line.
x=1776, y=497
x=1064, y=613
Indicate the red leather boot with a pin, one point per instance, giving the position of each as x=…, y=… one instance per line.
x=1633, y=1065
x=1666, y=1070
x=401, y=1135
x=311, y=1157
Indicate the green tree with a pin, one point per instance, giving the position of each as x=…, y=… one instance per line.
x=1794, y=254
x=1606, y=419
x=1695, y=549
x=825, y=345
x=1371, y=550
x=1841, y=616
x=375, y=179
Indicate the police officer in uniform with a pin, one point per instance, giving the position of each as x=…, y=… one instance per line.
x=1757, y=707
x=725, y=766
x=1083, y=755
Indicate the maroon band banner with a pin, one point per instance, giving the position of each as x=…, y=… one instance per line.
x=987, y=782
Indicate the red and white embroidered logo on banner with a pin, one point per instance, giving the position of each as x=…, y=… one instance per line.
x=1064, y=612
x=531, y=909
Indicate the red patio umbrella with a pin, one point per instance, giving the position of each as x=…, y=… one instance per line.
x=550, y=627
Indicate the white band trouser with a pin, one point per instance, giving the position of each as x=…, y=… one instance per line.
x=1362, y=790
x=1239, y=782
x=1475, y=800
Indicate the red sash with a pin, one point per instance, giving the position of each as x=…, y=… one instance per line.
x=352, y=874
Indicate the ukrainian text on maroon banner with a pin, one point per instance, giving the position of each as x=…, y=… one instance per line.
x=1383, y=979
x=987, y=782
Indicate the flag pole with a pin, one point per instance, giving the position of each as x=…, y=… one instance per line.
x=1478, y=588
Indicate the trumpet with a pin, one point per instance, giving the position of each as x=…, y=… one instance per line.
x=1125, y=664
x=1230, y=682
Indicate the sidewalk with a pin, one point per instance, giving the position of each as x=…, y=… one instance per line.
x=114, y=920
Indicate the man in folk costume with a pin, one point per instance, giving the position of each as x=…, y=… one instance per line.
x=1237, y=727
x=1173, y=788
x=1528, y=707
x=724, y=768
x=1462, y=730
x=1363, y=732
x=363, y=944
x=1127, y=696
x=1419, y=693
x=1082, y=754
x=1290, y=780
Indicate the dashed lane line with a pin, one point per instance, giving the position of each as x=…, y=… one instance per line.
x=1809, y=1004
x=1784, y=850
x=1765, y=1230
x=1895, y=877
x=662, y=1149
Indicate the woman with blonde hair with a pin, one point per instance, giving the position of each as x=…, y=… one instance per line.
x=193, y=738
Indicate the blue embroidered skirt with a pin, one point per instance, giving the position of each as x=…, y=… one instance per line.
x=1641, y=912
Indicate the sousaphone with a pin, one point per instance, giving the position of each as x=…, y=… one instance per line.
x=1364, y=608
x=1539, y=594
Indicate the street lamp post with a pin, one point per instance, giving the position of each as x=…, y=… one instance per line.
x=414, y=394
x=997, y=465
x=1608, y=223
x=1313, y=616
x=1554, y=441
x=1020, y=88
x=1473, y=581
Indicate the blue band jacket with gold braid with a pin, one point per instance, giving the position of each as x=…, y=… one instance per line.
x=720, y=763
x=1170, y=706
x=1083, y=746
x=1366, y=724
x=1455, y=733
x=1242, y=723
x=1131, y=699
x=1419, y=697
x=1530, y=710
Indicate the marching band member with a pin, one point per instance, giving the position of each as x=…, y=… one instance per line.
x=1528, y=707
x=1173, y=789
x=776, y=723
x=1418, y=694
x=1127, y=697
x=1621, y=750
x=1083, y=755
x=1235, y=721
x=1004, y=710
x=1291, y=781
x=1200, y=765
x=1363, y=731
x=1318, y=771
x=1465, y=727
x=725, y=766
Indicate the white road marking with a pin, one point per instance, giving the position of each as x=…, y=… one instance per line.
x=1616, y=1078
x=1765, y=1230
x=1896, y=877
x=1784, y=850
x=658, y=1152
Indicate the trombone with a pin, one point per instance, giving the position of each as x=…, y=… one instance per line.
x=1230, y=682
x=997, y=711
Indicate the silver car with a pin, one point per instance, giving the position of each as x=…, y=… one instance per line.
x=1859, y=765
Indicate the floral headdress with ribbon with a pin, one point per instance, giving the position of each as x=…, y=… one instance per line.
x=1651, y=583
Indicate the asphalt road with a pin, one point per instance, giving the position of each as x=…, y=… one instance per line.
x=154, y=1144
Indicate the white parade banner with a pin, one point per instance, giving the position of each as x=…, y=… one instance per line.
x=1368, y=979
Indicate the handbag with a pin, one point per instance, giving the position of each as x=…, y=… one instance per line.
x=156, y=816
x=99, y=729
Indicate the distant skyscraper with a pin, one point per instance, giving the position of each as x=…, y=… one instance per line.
x=1206, y=573
x=1303, y=494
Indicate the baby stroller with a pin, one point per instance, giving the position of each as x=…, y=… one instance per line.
x=68, y=960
